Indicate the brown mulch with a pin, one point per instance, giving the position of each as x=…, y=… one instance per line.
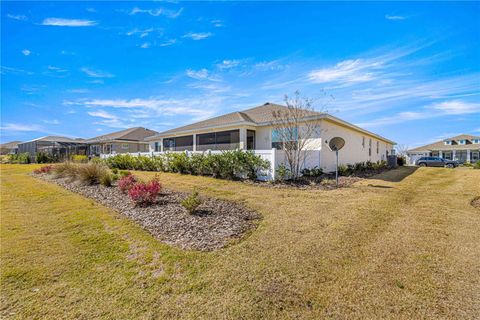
x=214, y=225
x=476, y=202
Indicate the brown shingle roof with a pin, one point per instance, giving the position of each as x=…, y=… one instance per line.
x=440, y=145
x=258, y=115
x=131, y=134
x=58, y=139
x=10, y=145
x=261, y=115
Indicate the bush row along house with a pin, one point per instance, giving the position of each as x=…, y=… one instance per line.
x=254, y=129
x=124, y=141
x=462, y=148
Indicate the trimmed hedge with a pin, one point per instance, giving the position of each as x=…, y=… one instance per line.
x=226, y=165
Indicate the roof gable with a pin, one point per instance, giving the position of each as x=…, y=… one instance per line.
x=132, y=134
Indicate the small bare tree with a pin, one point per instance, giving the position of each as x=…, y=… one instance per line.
x=294, y=127
x=401, y=149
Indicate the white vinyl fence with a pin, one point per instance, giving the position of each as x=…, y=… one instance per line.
x=275, y=157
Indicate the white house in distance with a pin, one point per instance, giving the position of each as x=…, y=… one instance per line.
x=253, y=129
x=463, y=148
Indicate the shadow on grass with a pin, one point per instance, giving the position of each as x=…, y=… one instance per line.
x=395, y=175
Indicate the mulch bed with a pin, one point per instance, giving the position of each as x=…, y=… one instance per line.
x=324, y=182
x=215, y=224
x=476, y=202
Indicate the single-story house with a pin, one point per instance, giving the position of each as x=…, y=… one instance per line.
x=254, y=129
x=61, y=147
x=9, y=147
x=125, y=141
x=463, y=148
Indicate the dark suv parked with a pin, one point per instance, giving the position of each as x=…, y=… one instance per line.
x=436, y=162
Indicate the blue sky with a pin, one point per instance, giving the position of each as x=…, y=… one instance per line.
x=408, y=71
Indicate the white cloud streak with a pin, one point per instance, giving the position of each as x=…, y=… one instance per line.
x=26, y=52
x=394, y=17
x=198, y=35
x=19, y=17
x=96, y=73
x=158, y=12
x=60, y=22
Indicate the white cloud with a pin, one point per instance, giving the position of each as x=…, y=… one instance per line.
x=19, y=17
x=158, y=12
x=349, y=71
x=198, y=35
x=202, y=74
x=5, y=70
x=60, y=22
x=102, y=114
x=26, y=52
x=55, y=121
x=56, y=69
x=93, y=10
x=456, y=107
x=228, y=64
x=273, y=65
x=394, y=17
x=168, y=43
x=434, y=110
x=142, y=33
x=96, y=73
x=145, y=45
x=217, y=23
x=17, y=127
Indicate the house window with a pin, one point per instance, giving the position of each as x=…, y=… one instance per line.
x=378, y=146
x=462, y=141
x=178, y=143
x=448, y=142
x=125, y=146
x=284, y=138
x=250, y=140
x=157, y=147
x=370, y=148
x=363, y=142
x=223, y=140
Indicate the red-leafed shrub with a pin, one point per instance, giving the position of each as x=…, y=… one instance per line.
x=145, y=193
x=44, y=169
x=127, y=182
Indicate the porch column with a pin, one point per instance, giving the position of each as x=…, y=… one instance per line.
x=161, y=145
x=440, y=154
x=453, y=154
x=194, y=142
x=468, y=155
x=243, y=138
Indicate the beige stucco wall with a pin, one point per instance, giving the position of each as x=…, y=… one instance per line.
x=353, y=151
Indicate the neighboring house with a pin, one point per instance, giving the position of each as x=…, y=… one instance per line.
x=463, y=148
x=61, y=147
x=124, y=141
x=9, y=147
x=252, y=129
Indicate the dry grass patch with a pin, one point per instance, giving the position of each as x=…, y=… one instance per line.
x=404, y=245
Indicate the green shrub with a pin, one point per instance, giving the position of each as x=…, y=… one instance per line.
x=282, y=173
x=192, y=202
x=124, y=173
x=476, y=165
x=42, y=157
x=20, y=158
x=227, y=165
x=115, y=171
x=314, y=172
x=79, y=158
x=91, y=173
x=343, y=170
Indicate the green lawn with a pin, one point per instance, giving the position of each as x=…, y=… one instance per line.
x=404, y=245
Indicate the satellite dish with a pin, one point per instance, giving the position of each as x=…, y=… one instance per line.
x=336, y=143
